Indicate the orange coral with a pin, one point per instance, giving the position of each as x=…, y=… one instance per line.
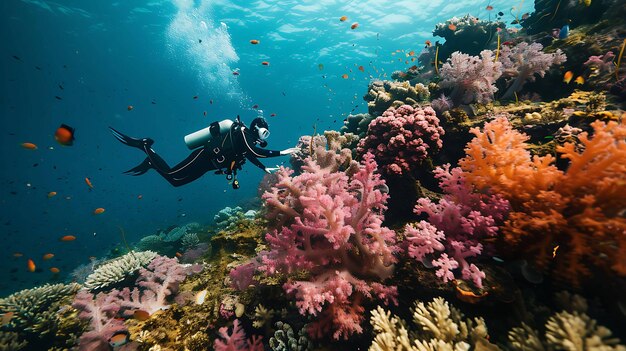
x=581, y=210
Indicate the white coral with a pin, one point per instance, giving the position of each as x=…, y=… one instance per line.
x=117, y=269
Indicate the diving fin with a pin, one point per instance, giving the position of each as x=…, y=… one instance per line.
x=134, y=142
x=142, y=168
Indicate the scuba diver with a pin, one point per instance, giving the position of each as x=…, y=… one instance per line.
x=223, y=146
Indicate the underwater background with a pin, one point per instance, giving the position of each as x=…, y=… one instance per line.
x=370, y=70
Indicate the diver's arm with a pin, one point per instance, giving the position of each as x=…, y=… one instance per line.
x=256, y=162
x=256, y=151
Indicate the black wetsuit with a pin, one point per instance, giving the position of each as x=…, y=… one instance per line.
x=225, y=153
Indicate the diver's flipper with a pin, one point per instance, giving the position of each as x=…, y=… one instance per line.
x=144, y=167
x=134, y=142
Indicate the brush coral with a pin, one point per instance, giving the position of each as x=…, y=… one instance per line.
x=471, y=78
x=579, y=210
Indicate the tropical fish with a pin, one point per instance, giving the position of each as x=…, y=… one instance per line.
x=88, y=181
x=141, y=315
x=98, y=210
x=354, y=25
x=255, y=106
x=31, y=265
x=254, y=41
x=568, y=76
x=452, y=27
x=29, y=146
x=320, y=66
x=564, y=32
x=130, y=107
x=67, y=238
x=18, y=254
x=579, y=80
x=47, y=256
x=411, y=53
x=343, y=18
x=6, y=318
x=344, y=76
x=200, y=296
x=273, y=115
x=265, y=63
x=428, y=43
x=489, y=8
x=119, y=339
x=64, y=135
x=235, y=73
x=54, y=270
x=52, y=194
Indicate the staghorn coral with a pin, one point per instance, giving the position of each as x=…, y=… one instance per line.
x=471, y=78
x=285, y=339
x=523, y=61
x=402, y=138
x=118, y=269
x=578, y=209
x=440, y=327
x=565, y=331
x=384, y=94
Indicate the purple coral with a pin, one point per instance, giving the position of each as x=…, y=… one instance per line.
x=101, y=314
x=236, y=341
x=471, y=78
x=402, y=138
x=523, y=61
x=456, y=226
x=601, y=64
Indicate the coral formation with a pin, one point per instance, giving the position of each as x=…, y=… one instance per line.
x=357, y=124
x=118, y=269
x=458, y=32
x=227, y=217
x=402, y=139
x=236, y=340
x=471, y=78
x=285, y=339
x=384, y=94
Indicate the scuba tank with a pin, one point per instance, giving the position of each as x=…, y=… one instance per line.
x=205, y=135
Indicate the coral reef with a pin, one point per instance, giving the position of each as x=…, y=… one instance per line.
x=118, y=269
x=228, y=216
x=236, y=340
x=384, y=94
x=471, y=78
x=460, y=32
x=357, y=124
x=285, y=339
x=402, y=139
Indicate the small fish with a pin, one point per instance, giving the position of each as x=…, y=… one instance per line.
x=18, y=254
x=58, y=97
x=525, y=16
x=579, y=80
x=48, y=256
x=200, y=296
x=119, y=339
x=554, y=251
x=568, y=77
x=564, y=33
x=489, y=8
x=17, y=58
x=342, y=19
x=452, y=27
x=98, y=211
x=413, y=68
x=428, y=43
x=179, y=255
x=500, y=13
x=254, y=42
x=29, y=146
x=55, y=270
x=586, y=2
x=38, y=68
x=255, y=106
x=67, y=238
x=195, y=97
x=88, y=182
x=200, y=41
x=320, y=66
x=273, y=115
x=354, y=25
x=265, y=63
x=130, y=107
x=344, y=76
x=411, y=53
x=204, y=113
x=52, y=194
x=153, y=102
x=31, y=265
x=235, y=73
x=139, y=197
x=6, y=318
x=141, y=315
x=64, y=135
x=61, y=87
x=211, y=102
x=361, y=68
x=507, y=43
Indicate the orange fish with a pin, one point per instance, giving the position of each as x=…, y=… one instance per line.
x=354, y=25
x=98, y=210
x=29, y=146
x=64, y=135
x=489, y=8
x=344, y=76
x=579, y=80
x=88, y=181
x=265, y=63
x=414, y=67
x=18, y=254
x=118, y=339
x=54, y=270
x=31, y=265
x=254, y=41
x=179, y=255
x=343, y=18
x=411, y=53
x=130, y=107
x=428, y=43
x=47, y=256
x=68, y=238
x=361, y=68
x=141, y=315
x=568, y=76
x=452, y=27
x=6, y=318
x=52, y=194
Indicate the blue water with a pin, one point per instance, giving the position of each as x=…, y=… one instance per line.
x=109, y=55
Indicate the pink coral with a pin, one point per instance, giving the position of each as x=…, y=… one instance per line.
x=457, y=225
x=601, y=64
x=101, y=314
x=471, y=78
x=523, y=61
x=402, y=138
x=330, y=225
x=236, y=341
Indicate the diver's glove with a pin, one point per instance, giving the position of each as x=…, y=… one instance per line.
x=291, y=150
x=270, y=170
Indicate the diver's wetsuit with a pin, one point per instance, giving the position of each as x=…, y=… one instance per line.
x=225, y=153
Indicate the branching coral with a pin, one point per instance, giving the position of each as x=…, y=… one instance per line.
x=100, y=313
x=402, y=138
x=578, y=210
x=440, y=327
x=471, y=78
x=236, y=340
x=116, y=270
